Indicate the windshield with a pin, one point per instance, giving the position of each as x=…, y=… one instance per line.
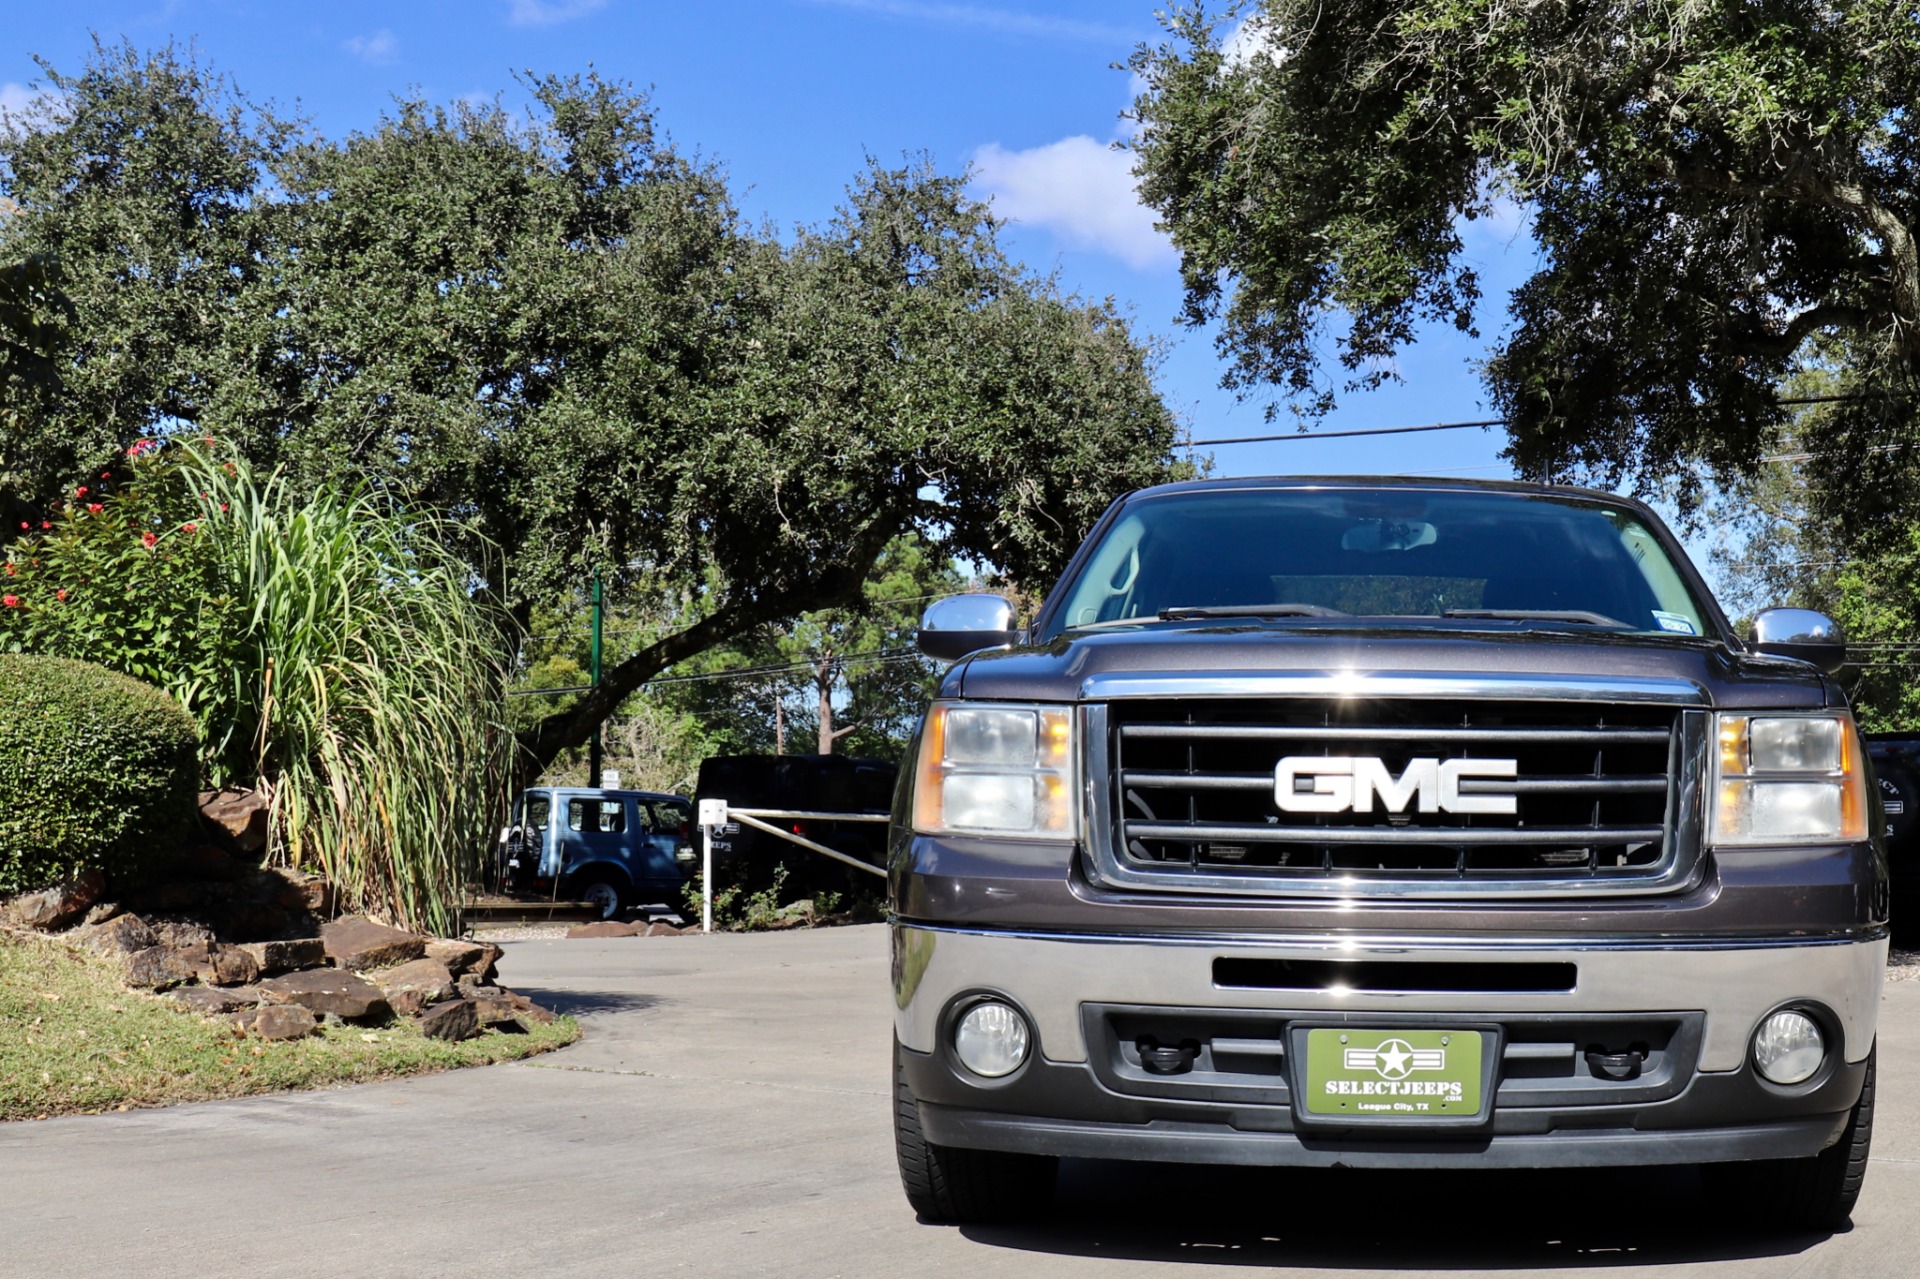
x=1297, y=553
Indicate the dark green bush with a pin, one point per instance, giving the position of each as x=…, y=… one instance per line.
x=96, y=770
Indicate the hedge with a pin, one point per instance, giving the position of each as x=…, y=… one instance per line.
x=97, y=770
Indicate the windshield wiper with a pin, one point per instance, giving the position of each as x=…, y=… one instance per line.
x=1577, y=616
x=1187, y=613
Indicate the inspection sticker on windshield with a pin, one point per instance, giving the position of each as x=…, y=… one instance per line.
x=1674, y=622
x=1394, y=1074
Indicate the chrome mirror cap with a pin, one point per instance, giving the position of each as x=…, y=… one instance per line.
x=1802, y=634
x=961, y=624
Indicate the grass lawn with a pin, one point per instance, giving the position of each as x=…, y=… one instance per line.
x=73, y=1040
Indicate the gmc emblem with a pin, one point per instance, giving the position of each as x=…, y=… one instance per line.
x=1342, y=783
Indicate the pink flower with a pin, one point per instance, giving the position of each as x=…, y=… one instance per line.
x=189, y=527
x=81, y=491
x=148, y=539
x=12, y=568
x=93, y=508
x=61, y=594
x=11, y=601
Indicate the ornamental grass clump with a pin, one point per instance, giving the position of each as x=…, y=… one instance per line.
x=329, y=647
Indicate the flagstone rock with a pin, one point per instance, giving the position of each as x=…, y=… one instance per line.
x=213, y=1000
x=163, y=967
x=604, y=928
x=328, y=990
x=121, y=935
x=454, y=1021
x=357, y=944
x=287, y=956
x=277, y=1021
x=240, y=816
x=60, y=905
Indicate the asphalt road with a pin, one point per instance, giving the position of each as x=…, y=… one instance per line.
x=727, y=1115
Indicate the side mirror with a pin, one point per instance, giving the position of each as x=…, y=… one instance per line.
x=961, y=624
x=1800, y=633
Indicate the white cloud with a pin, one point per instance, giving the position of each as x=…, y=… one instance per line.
x=25, y=108
x=1078, y=187
x=376, y=48
x=988, y=18
x=545, y=13
x=1248, y=41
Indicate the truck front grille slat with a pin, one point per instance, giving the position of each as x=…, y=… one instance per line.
x=1462, y=736
x=1574, y=836
x=1598, y=794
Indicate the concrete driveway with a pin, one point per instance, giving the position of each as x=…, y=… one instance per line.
x=727, y=1115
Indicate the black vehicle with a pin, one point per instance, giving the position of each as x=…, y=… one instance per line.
x=798, y=784
x=1385, y=823
x=1896, y=770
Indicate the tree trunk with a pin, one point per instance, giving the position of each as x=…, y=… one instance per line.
x=779, y=724
x=823, y=685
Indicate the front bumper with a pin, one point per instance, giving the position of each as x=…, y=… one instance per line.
x=1692, y=1007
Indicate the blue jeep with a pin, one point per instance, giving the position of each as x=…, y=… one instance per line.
x=613, y=848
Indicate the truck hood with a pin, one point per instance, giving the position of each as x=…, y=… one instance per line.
x=1171, y=659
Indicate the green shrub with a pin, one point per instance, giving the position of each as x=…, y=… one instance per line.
x=97, y=770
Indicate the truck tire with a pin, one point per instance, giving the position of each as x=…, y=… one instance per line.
x=1801, y=1194
x=950, y=1186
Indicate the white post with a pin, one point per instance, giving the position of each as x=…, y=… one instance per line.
x=713, y=815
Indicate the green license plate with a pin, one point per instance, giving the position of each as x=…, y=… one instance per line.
x=1395, y=1074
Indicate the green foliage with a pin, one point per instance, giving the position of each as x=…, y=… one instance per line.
x=555, y=333
x=328, y=645
x=97, y=771
x=1713, y=187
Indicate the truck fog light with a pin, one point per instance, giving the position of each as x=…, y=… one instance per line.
x=991, y=1040
x=1789, y=1047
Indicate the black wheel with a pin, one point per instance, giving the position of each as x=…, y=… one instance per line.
x=606, y=897
x=1801, y=1194
x=948, y=1185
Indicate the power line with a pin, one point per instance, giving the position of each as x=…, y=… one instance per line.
x=1494, y=421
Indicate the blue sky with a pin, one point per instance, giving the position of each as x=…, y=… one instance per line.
x=790, y=96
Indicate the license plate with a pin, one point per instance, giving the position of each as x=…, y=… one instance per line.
x=1395, y=1074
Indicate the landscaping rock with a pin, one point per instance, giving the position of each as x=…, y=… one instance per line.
x=458, y=956
x=527, y=1010
x=328, y=990
x=181, y=935
x=658, y=929
x=605, y=928
x=474, y=988
x=101, y=912
x=121, y=935
x=412, y=986
x=483, y=969
x=302, y=891
x=456, y=1020
x=277, y=1021
x=212, y=1000
x=286, y=956
x=60, y=905
x=164, y=967
x=231, y=966
x=203, y=862
x=238, y=816
x=357, y=944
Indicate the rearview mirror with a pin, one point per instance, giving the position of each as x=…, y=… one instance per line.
x=961, y=624
x=1800, y=633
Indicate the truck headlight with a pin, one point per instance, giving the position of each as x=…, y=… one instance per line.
x=996, y=770
x=1781, y=779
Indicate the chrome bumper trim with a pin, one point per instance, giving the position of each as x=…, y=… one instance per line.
x=1051, y=975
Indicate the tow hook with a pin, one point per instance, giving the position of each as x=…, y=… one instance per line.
x=1167, y=1059
x=1617, y=1066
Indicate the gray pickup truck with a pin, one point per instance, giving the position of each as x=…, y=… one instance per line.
x=1392, y=824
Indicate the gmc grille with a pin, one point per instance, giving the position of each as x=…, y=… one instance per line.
x=1597, y=796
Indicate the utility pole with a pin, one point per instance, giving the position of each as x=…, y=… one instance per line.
x=593, y=751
